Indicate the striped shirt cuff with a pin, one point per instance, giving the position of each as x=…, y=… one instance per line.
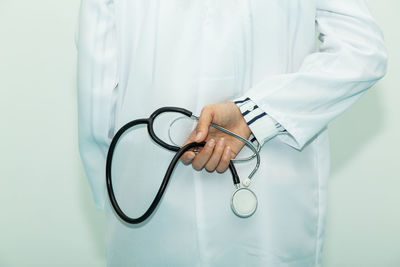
x=263, y=126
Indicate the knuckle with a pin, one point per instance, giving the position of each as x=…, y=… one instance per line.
x=208, y=151
x=200, y=156
x=220, y=151
x=206, y=108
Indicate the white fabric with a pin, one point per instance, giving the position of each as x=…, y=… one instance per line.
x=137, y=55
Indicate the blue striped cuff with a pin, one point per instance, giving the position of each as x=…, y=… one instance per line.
x=260, y=123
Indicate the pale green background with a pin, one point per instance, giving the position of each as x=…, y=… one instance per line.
x=47, y=216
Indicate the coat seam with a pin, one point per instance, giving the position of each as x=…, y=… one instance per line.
x=317, y=202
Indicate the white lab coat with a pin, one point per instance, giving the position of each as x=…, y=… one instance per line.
x=137, y=55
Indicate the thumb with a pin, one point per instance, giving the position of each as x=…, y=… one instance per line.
x=205, y=119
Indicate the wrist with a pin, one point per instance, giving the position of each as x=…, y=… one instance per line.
x=243, y=124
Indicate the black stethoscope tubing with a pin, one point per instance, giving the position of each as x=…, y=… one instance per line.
x=179, y=152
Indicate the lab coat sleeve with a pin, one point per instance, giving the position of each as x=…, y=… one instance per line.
x=97, y=79
x=351, y=59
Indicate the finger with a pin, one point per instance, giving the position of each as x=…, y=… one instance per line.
x=212, y=163
x=205, y=119
x=202, y=157
x=224, y=162
x=189, y=155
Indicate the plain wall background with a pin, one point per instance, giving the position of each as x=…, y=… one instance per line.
x=47, y=216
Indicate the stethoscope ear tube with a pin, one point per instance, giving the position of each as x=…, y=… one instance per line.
x=110, y=154
x=150, y=128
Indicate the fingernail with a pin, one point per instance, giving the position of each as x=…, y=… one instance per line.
x=211, y=143
x=221, y=142
x=198, y=136
x=190, y=156
x=228, y=150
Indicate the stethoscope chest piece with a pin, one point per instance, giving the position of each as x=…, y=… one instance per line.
x=244, y=202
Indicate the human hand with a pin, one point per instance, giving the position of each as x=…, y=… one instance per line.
x=220, y=147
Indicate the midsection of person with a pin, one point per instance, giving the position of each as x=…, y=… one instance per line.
x=190, y=54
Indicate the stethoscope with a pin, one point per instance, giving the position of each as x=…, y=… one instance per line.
x=243, y=202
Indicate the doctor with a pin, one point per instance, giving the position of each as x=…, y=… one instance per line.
x=249, y=65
